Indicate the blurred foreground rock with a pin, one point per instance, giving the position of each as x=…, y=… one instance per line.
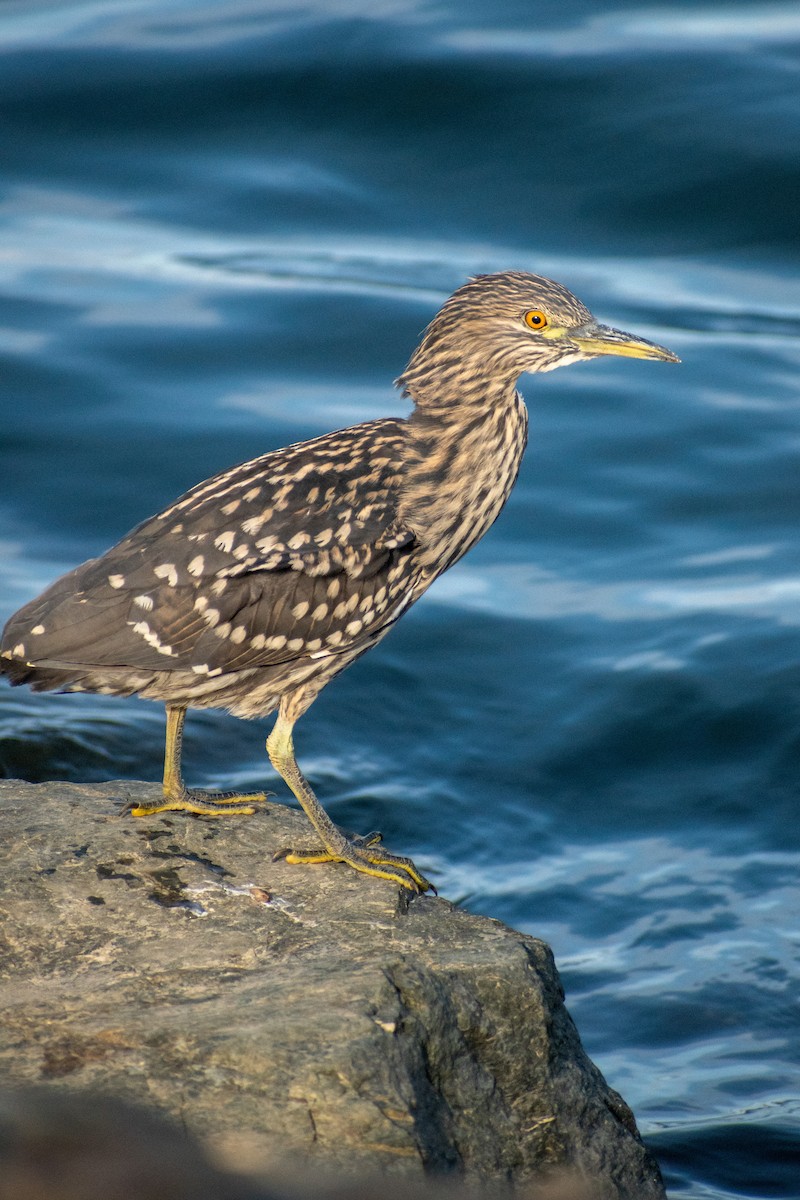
x=289, y=1018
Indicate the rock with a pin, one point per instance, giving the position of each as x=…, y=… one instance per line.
x=286, y=1014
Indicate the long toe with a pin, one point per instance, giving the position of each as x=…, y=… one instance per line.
x=376, y=861
x=202, y=804
x=361, y=854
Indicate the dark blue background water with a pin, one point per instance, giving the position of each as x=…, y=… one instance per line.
x=223, y=226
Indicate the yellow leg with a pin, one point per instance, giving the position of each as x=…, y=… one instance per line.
x=359, y=853
x=179, y=798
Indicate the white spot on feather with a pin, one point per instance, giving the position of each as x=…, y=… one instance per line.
x=152, y=638
x=37, y=629
x=195, y=567
x=166, y=571
x=252, y=525
x=225, y=541
x=117, y=581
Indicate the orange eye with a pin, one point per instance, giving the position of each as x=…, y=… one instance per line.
x=536, y=319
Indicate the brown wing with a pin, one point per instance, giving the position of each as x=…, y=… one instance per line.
x=298, y=552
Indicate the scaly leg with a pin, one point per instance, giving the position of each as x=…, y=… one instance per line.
x=359, y=853
x=179, y=798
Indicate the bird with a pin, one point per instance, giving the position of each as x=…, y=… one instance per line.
x=257, y=587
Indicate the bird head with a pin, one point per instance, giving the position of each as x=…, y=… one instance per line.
x=496, y=327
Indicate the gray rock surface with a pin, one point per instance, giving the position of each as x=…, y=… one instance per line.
x=289, y=1015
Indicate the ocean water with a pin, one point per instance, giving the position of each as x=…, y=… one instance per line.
x=223, y=226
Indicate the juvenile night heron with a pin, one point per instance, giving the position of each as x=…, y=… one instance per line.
x=257, y=587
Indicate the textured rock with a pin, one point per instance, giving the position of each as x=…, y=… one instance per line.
x=284, y=1013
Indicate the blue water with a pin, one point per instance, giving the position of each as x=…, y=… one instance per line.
x=222, y=227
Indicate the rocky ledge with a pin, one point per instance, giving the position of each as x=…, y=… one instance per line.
x=289, y=1015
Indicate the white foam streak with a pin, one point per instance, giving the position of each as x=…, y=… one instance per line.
x=533, y=593
x=710, y=29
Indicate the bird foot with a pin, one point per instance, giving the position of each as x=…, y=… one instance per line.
x=201, y=804
x=359, y=852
